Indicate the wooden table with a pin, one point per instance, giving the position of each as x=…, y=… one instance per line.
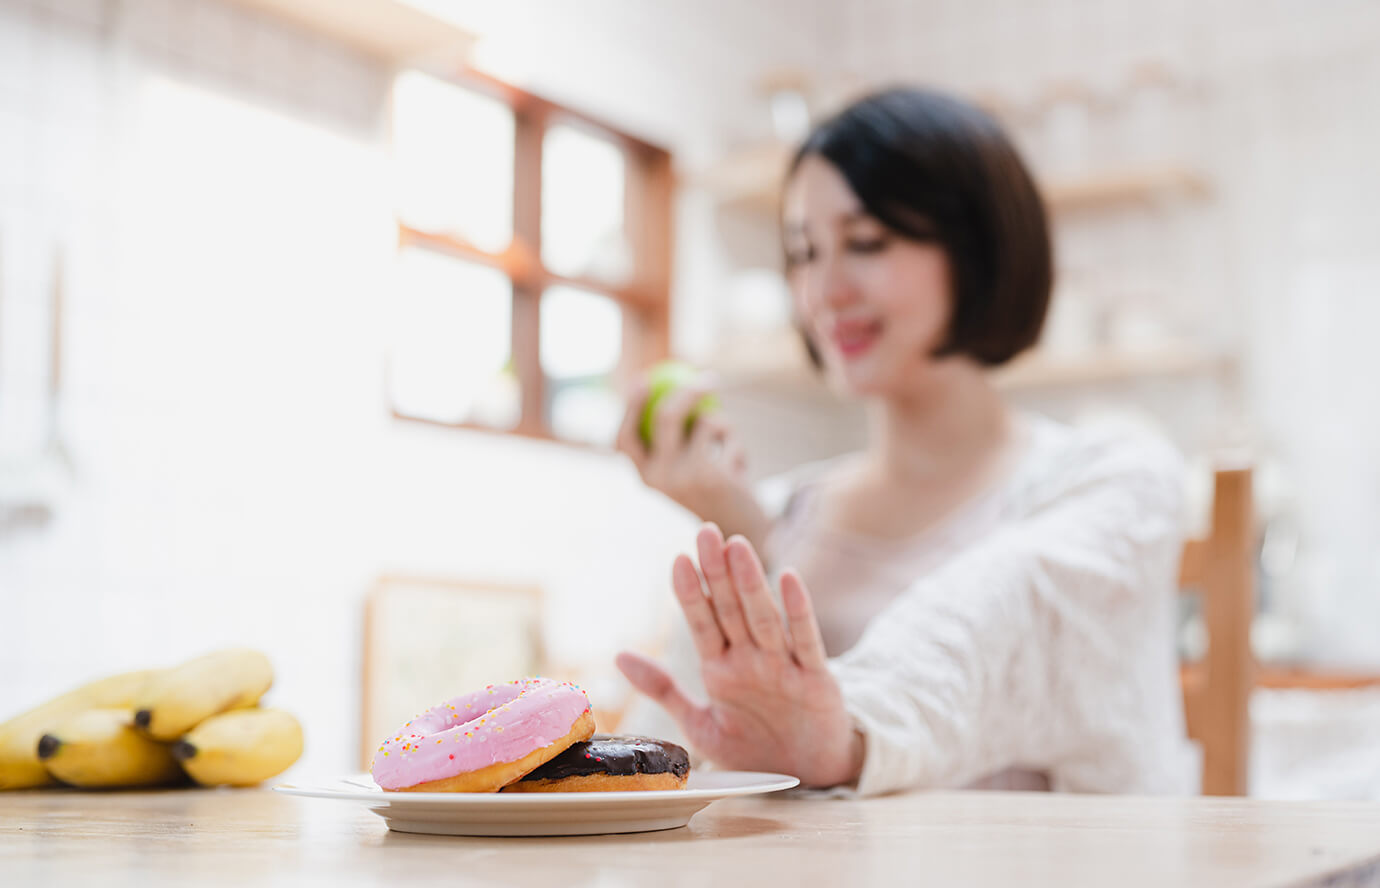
x=255, y=836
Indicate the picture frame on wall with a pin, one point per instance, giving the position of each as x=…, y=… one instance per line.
x=427, y=639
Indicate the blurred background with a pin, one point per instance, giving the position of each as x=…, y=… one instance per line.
x=314, y=316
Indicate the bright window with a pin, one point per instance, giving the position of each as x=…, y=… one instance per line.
x=533, y=267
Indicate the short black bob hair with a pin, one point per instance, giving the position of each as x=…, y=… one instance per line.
x=933, y=168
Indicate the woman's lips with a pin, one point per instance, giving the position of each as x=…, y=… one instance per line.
x=854, y=339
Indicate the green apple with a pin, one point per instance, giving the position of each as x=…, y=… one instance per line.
x=662, y=379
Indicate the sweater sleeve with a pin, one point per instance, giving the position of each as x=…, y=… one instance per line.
x=1047, y=645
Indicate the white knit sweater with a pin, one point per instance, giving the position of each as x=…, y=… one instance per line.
x=1026, y=641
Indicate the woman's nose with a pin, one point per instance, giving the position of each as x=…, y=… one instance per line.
x=836, y=288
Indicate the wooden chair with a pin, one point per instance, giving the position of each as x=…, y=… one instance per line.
x=1217, y=688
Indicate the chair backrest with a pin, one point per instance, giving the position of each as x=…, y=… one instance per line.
x=1217, y=688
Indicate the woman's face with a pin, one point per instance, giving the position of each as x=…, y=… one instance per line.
x=876, y=304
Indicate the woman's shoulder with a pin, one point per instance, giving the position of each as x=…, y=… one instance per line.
x=1065, y=458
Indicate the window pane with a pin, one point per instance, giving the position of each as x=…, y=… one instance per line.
x=453, y=155
x=452, y=342
x=581, y=342
x=582, y=230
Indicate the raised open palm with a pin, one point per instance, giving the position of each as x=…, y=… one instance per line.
x=773, y=705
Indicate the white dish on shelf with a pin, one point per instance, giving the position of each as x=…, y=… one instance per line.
x=543, y=813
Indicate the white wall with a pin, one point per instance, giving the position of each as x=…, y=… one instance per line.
x=684, y=75
x=1304, y=196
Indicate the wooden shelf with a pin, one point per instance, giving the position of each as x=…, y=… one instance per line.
x=750, y=179
x=776, y=363
x=1038, y=371
x=385, y=29
x=1132, y=185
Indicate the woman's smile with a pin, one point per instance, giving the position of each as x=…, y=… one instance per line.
x=854, y=338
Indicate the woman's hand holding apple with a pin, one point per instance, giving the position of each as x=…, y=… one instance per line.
x=681, y=446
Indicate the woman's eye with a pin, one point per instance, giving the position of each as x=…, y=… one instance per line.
x=868, y=245
x=795, y=258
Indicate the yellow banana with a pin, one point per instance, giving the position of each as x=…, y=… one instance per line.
x=240, y=748
x=186, y=695
x=100, y=749
x=19, y=764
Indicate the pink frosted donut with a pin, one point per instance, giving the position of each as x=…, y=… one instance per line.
x=483, y=741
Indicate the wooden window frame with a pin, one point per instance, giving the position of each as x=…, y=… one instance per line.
x=644, y=298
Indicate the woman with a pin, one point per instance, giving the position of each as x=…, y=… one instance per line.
x=995, y=590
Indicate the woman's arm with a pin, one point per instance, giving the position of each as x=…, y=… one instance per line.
x=1048, y=645
x=1044, y=645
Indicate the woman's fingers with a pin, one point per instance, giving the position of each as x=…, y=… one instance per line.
x=735, y=457
x=722, y=595
x=699, y=613
x=709, y=438
x=649, y=678
x=806, y=643
x=750, y=581
x=712, y=441
x=672, y=412
x=628, y=440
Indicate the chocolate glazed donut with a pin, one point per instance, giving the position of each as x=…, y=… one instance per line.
x=610, y=764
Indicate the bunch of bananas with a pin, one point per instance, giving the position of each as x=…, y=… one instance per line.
x=155, y=728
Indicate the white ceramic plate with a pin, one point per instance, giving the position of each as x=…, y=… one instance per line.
x=543, y=813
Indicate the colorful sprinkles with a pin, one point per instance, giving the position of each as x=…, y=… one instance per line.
x=407, y=743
